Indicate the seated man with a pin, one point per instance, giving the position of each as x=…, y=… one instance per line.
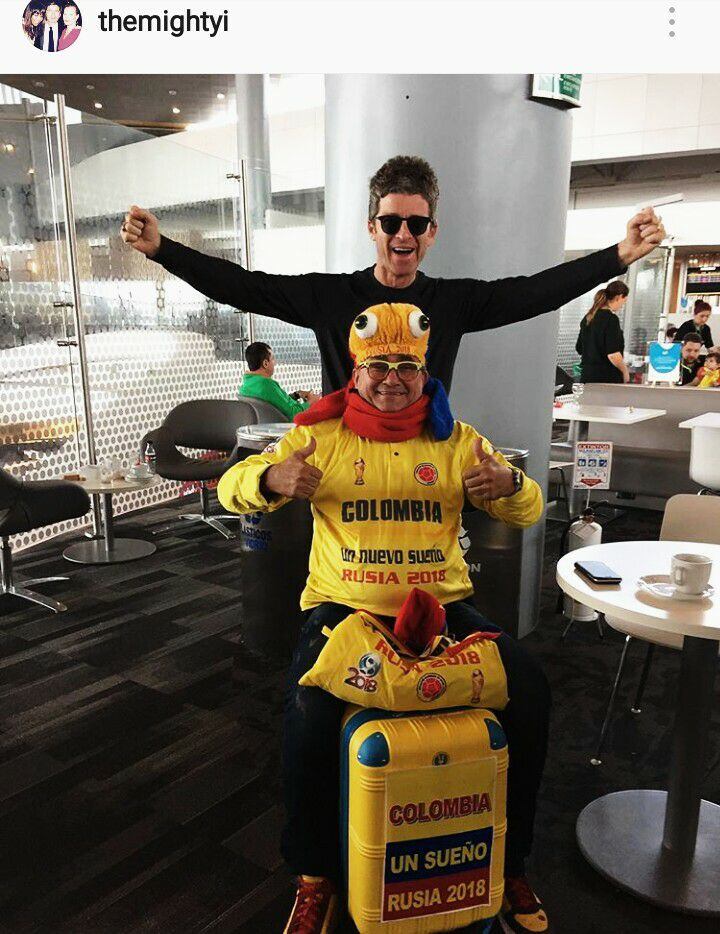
x=690, y=361
x=258, y=382
x=387, y=468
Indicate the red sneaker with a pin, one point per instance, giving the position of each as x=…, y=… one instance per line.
x=522, y=911
x=315, y=908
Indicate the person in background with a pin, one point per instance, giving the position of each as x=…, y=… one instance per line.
x=670, y=333
x=34, y=15
x=698, y=324
x=49, y=31
x=72, y=19
x=709, y=375
x=690, y=361
x=258, y=382
x=601, y=341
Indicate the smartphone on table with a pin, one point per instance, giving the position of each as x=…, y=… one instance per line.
x=597, y=572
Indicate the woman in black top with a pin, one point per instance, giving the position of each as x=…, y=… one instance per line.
x=697, y=324
x=601, y=342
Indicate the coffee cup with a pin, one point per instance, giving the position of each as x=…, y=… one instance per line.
x=690, y=573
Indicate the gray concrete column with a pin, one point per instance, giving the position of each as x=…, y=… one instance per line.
x=503, y=163
x=254, y=143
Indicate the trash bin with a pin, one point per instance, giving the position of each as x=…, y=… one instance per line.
x=273, y=572
x=275, y=550
x=493, y=553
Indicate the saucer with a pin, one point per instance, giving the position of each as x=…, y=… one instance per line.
x=659, y=585
x=138, y=477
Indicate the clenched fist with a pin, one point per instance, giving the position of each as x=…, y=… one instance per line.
x=488, y=479
x=293, y=477
x=141, y=230
x=645, y=231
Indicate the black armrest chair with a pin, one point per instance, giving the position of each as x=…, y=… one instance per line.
x=205, y=424
x=28, y=505
x=264, y=411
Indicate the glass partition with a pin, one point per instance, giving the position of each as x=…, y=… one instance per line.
x=40, y=423
x=572, y=314
x=645, y=302
x=640, y=318
x=152, y=341
x=289, y=239
x=570, y=317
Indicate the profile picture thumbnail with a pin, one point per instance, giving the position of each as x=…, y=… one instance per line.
x=52, y=25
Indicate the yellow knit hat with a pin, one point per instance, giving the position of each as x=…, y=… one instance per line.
x=390, y=328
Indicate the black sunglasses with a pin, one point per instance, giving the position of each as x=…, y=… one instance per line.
x=391, y=223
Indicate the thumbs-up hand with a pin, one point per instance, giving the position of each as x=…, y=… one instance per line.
x=293, y=477
x=488, y=479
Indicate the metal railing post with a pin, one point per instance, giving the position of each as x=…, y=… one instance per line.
x=247, y=235
x=74, y=273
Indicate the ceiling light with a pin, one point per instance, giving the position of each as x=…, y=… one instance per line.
x=221, y=96
x=39, y=84
x=176, y=110
x=90, y=87
x=8, y=147
x=172, y=93
x=98, y=105
x=31, y=171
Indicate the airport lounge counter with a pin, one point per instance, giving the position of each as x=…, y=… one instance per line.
x=654, y=459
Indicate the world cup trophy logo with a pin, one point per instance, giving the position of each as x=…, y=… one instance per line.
x=359, y=466
x=478, y=682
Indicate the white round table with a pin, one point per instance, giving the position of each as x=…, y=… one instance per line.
x=108, y=549
x=662, y=846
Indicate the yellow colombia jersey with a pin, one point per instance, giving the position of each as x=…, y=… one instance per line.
x=386, y=514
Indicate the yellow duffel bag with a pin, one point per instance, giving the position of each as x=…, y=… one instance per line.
x=364, y=663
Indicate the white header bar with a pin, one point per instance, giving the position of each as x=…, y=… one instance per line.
x=381, y=36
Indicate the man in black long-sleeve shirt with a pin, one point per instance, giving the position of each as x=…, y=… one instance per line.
x=402, y=222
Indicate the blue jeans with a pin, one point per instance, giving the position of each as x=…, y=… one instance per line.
x=311, y=745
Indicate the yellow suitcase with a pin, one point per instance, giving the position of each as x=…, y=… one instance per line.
x=423, y=818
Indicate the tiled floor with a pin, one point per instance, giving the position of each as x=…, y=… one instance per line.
x=139, y=751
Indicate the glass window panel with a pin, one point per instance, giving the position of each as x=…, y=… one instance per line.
x=152, y=340
x=39, y=423
x=570, y=317
x=645, y=305
x=291, y=242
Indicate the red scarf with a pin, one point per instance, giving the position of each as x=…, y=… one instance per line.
x=364, y=419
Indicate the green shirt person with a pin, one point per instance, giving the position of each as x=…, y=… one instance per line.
x=258, y=382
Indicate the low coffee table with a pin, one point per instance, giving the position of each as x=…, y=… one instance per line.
x=108, y=549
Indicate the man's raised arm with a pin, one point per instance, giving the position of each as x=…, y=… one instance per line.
x=518, y=298
x=288, y=298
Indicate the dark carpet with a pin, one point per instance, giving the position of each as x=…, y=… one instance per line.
x=139, y=750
